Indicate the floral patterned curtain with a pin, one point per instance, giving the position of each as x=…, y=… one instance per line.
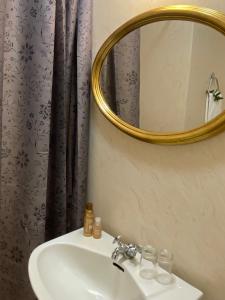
x=45, y=62
x=121, y=78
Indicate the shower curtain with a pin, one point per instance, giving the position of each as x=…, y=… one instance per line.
x=45, y=63
x=121, y=78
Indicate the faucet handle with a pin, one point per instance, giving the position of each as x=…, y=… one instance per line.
x=117, y=240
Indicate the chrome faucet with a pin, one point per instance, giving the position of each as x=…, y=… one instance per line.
x=127, y=251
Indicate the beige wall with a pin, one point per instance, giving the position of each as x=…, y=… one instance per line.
x=169, y=196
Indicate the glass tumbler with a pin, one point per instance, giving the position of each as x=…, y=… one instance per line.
x=165, y=266
x=148, y=262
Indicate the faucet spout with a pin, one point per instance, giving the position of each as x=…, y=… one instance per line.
x=128, y=251
x=115, y=254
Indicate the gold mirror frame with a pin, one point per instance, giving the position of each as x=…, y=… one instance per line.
x=201, y=15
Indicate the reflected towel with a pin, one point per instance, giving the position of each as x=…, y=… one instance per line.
x=214, y=105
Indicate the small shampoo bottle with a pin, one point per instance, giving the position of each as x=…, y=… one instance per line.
x=97, y=228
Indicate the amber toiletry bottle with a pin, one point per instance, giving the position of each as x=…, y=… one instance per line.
x=88, y=219
x=97, y=229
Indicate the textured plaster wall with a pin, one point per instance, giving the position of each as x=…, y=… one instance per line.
x=168, y=196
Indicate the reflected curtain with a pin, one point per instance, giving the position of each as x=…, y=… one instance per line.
x=45, y=63
x=121, y=78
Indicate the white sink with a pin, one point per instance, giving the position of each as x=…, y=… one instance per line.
x=76, y=267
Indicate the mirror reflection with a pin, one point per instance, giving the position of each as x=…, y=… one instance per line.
x=167, y=76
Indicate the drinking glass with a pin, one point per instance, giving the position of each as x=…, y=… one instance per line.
x=165, y=266
x=148, y=262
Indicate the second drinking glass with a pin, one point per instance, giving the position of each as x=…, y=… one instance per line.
x=165, y=265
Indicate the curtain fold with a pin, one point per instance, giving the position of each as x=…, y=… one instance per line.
x=121, y=78
x=45, y=94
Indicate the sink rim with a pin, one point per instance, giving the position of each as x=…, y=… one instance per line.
x=104, y=247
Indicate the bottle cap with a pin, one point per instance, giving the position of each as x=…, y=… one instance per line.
x=98, y=220
x=89, y=206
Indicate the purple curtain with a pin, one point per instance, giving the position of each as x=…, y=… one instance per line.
x=45, y=65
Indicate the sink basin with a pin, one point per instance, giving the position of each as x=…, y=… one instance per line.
x=68, y=271
x=75, y=267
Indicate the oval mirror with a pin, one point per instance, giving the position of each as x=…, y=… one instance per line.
x=161, y=76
